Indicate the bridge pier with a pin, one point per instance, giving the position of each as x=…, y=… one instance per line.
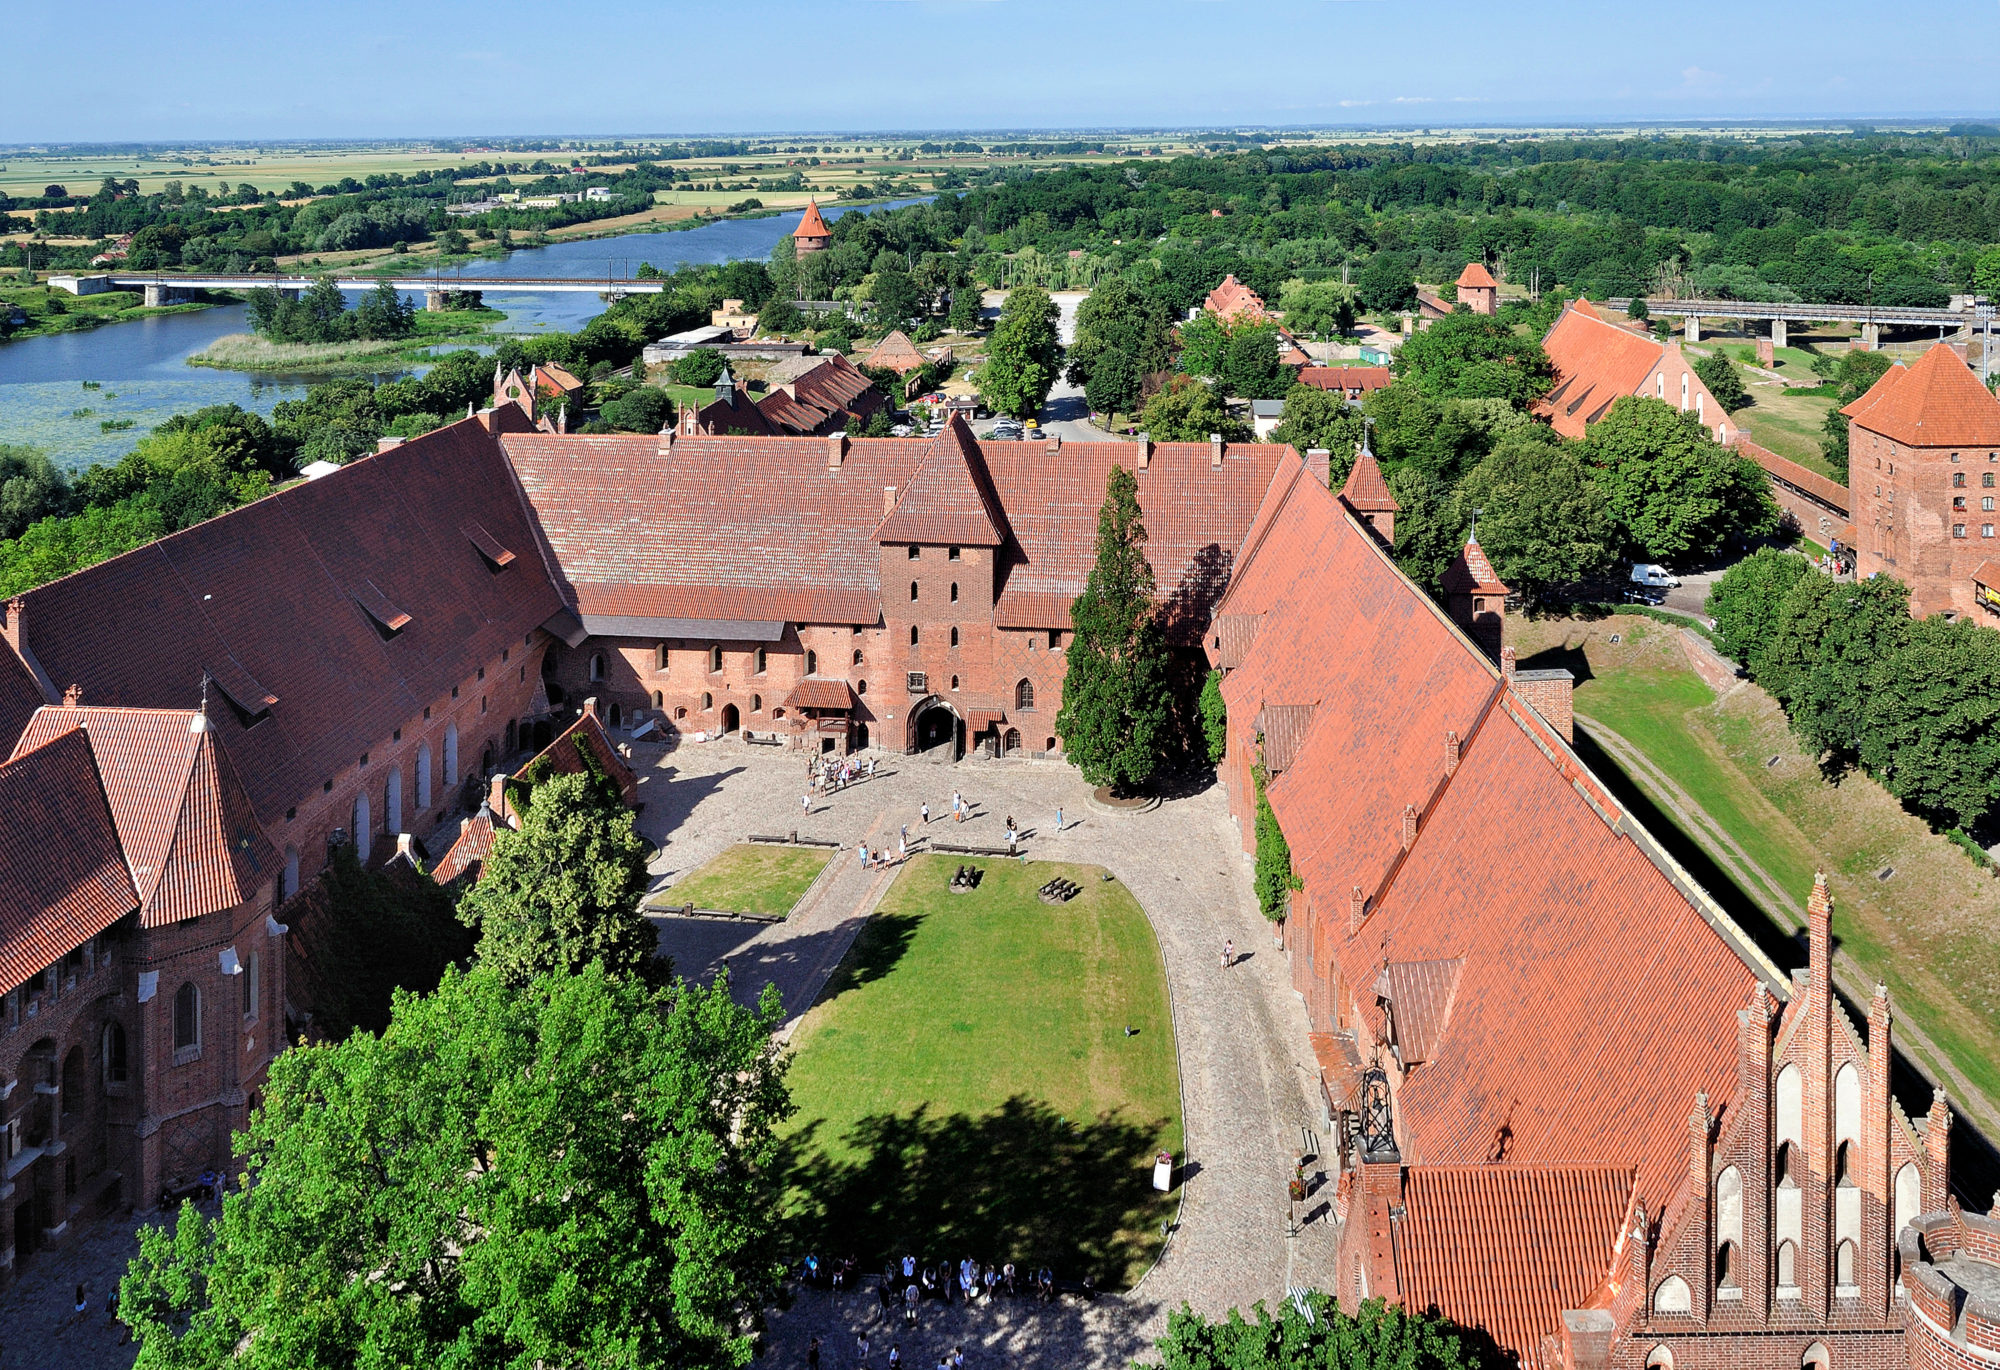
x=1777, y=333
x=1871, y=336
x=158, y=295
x=1692, y=330
x=434, y=302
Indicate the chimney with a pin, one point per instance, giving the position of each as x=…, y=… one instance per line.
x=73, y=697
x=406, y=847
x=836, y=450
x=1409, y=826
x=17, y=609
x=386, y=443
x=1357, y=911
x=496, y=794
x=590, y=706
x=1319, y=461
x=1145, y=450
x=464, y=825
x=888, y=500
x=1214, y=450
x=1819, y=933
x=667, y=436
x=1507, y=664
x=1451, y=751
x=1055, y=443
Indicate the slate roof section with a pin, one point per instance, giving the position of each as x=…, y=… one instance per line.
x=1936, y=402
x=1508, y=1248
x=185, y=824
x=950, y=497
x=63, y=877
x=273, y=587
x=1596, y=364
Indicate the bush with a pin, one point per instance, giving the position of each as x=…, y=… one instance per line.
x=701, y=367
x=1723, y=380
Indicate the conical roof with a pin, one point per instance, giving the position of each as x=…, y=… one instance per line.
x=1365, y=491
x=812, y=225
x=1471, y=573
x=1477, y=276
x=1937, y=402
x=949, y=498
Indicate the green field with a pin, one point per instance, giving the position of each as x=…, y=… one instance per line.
x=1758, y=818
x=752, y=878
x=967, y=1084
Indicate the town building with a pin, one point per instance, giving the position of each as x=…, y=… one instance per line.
x=1354, y=382
x=812, y=234
x=1923, y=463
x=895, y=353
x=543, y=390
x=1597, y=363
x=1477, y=290
x=734, y=317
x=1572, y=1102
x=806, y=395
x=1233, y=302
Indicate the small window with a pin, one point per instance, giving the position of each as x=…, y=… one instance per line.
x=707, y=701
x=1055, y=639
x=954, y=682
x=117, y=1060
x=250, y=987
x=187, y=1018
x=1987, y=480
x=913, y=592
x=1725, y=1266
x=1788, y=1265
x=951, y=554
x=1843, y=1166
x=954, y=592
x=762, y=660
x=1958, y=530
x=1787, y=1166
x=597, y=665
x=681, y=712
x=1986, y=530
x=857, y=656
x=913, y=634
x=1024, y=695
x=1958, y=503
x=756, y=704
x=954, y=637
x=481, y=673
x=812, y=663
x=861, y=687
x=1954, y=458
x=1843, y=1264
x=914, y=553
x=1958, y=480
x=1986, y=504
x=658, y=699
x=660, y=657
x=714, y=659
x=290, y=885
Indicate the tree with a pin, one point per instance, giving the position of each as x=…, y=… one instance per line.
x=1122, y=334
x=1542, y=518
x=963, y=316
x=1387, y=283
x=1214, y=718
x=384, y=313
x=895, y=296
x=1116, y=716
x=647, y=409
x=1023, y=358
x=1724, y=381
x=1832, y=640
x=580, y=1170
x=387, y=928
x=564, y=889
x=1188, y=411
x=701, y=367
x=1854, y=374
x=1321, y=418
x=1251, y=368
x=1475, y=356
x=1675, y=494
x=1378, y=1336
x=1428, y=531
x=1204, y=344
x=31, y=488
x=1746, y=603
x=1933, y=720
x=1321, y=308
x=1442, y=438
x=1274, y=879
x=1637, y=308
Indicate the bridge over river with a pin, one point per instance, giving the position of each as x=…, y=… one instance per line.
x=1871, y=317
x=161, y=288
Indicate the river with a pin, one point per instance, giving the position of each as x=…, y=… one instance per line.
x=141, y=373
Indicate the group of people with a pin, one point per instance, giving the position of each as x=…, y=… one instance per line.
x=864, y=1347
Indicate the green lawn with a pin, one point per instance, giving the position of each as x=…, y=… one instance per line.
x=967, y=1085
x=757, y=877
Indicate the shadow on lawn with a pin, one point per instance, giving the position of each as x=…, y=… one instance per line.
x=880, y=945
x=1021, y=1184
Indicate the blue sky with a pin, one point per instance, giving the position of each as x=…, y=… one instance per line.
x=201, y=69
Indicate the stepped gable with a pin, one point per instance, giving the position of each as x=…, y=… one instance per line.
x=282, y=603
x=1477, y=277
x=949, y=498
x=1509, y=1248
x=719, y=528
x=1935, y=402
x=1561, y=919
x=63, y=877
x=1365, y=491
x=1596, y=364
x=185, y=824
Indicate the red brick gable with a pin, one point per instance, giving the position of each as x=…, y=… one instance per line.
x=895, y=352
x=63, y=877
x=1937, y=402
x=1470, y=573
x=561, y=757
x=1233, y=300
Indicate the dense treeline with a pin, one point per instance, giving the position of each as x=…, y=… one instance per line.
x=1916, y=702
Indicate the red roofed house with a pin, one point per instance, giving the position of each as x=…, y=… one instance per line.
x=544, y=385
x=1598, y=363
x=1351, y=381
x=1923, y=464
x=1572, y=1103
x=812, y=234
x=1233, y=302
x=1477, y=290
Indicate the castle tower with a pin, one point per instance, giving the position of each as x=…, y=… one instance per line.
x=1477, y=290
x=1475, y=597
x=812, y=234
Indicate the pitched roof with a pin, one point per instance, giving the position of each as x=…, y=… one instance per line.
x=1232, y=299
x=1419, y=996
x=469, y=850
x=1937, y=402
x=20, y=694
x=896, y=352
x=564, y=756
x=815, y=693
x=1362, y=378
x=1471, y=573
x=1365, y=491
x=1827, y=492
x=1988, y=574
x=279, y=588
x=949, y=499
x=185, y=825
x=1477, y=276
x=1508, y=1248
x=63, y=877
x=804, y=403
x=1283, y=728
x=1596, y=364
x=812, y=225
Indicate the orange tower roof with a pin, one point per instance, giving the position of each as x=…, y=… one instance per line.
x=1937, y=402
x=812, y=225
x=1477, y=275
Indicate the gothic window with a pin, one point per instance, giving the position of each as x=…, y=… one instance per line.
x=1024, y=695
x=658, y=699
x=1660, y=1358
x=861, y=687
x=1909, y=1195
x=290, y=886
x=1787, y=1166
x=715, y=658
x=1788, y=1265
x=756, y=704
x=597, y=665
x=1816, y=1358
x=1725, y=1267
x=1843, y=1166
x=613, y=716
x=857, y=656
x=913, y=634
x=361, y=826
x=660, y=657
x=1673, y=1296
x=423, y=775
x=954, y=592
x=451, y=753
x=812, y=663
x=250, y=985
x=763, y=660
x=913, y=591
x=187, y=1017
x=1843, y=1263
x=954, y=637
x=392, y=795
x=116, y=1061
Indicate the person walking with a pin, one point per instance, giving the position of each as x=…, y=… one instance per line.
x=957, y=806
x=895, y=1355
x=82, y=1301
x=1013, y=839
x=1228, y=954
x=861, y=1348
x=863, y=848
x=812, y=1354
x=1059, y=820
x=903, y=847
x=806, y=803
x=925, y=810
x=910, y=1297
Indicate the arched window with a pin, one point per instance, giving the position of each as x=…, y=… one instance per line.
x=392, y=798
x=1024, y=694
x=1684, y=390
x=715, y=658
x=1843, y=1166
x=1660, y=385
x=913, y=634
x=361, y=825
x=954, y=682
x=954, y=637
x=857, y=656
x=290, y=886
x=812, y=662
x=423, y=776
x=762, y=660
x=660, y=657
x=1843, y=1263
x=1011, y=741
x=913, y=592
x=612, y=716
x=861, y=687
x=513, y=736
x=1728, y=1210
x=597, y=665
x=450, y=754
x=1725, y=1267
x=1788, y=1265
x=251, y=988
x=1847, y=1104
x=707, y=700
x=1909, y=1197
x=1660, y=1358
x=659, y=699
x=1698, y=398
x=1816, y=1358
x=1673, y=1296
x=187, y=1017
x=954, y=592
x=486, y=758
x=116, y=1062
x=756, y=704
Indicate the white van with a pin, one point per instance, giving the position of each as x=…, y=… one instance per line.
x=1658, y=577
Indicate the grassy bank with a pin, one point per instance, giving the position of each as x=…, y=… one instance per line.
x=252, y=352
x=58, y=311
x=1767, y=816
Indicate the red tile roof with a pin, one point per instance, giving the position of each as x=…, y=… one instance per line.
x=1365, y=491
x=20, y=695
x=1508, y=1248
x=1477, y=276
x=1349, y=378
x=1596, y=364
x=469, y=851
x=1232, y=299
x=278, y=588
x=896, y=352
x=822, y=399
x=949, y=498
x=813, y=225
x=63, y=878
x=1418, y=995
x=1471, y=573
x=1937, y=402
x=562, y=757
x=185, y=824
x=815, y=693
x=1826, y=491
x=1283, y=728
x=1988, y=574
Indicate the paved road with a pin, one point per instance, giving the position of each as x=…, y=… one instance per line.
x=1241, y=1032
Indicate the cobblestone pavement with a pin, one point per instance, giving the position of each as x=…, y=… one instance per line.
x=1245, y=1078
x=39, y=1329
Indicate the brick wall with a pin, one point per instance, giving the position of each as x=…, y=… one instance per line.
x=1905, y=515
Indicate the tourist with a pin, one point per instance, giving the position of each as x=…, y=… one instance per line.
x=1007, y=1279
x=871, y=768
x=806, y=803
x=903, y=847
x=925, y=811
x=895, y=1355
x=909, y=1266
x=812, y=1354
x=957, y=806
x=1059, y=820
x=864, y=863
x=1013, y=839
x=861, y=1348
x=82, y=1302
x=991, y=1277
x=958, y=1358
x=910, y=1297
x=1228, y=954
x=882, y=1293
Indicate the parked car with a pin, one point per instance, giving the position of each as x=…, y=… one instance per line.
x=1659, y=577
x=1035, y=433
x=1645, y=594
